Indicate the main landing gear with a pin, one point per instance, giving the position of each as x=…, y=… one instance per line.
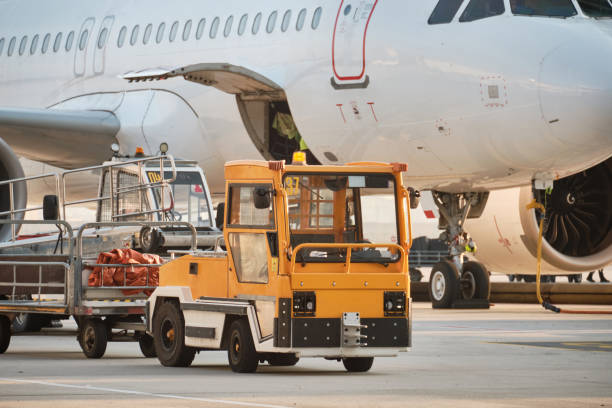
x=454, y=282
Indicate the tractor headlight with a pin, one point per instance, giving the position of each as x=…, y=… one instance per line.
x=304, y=303
x=394, y=303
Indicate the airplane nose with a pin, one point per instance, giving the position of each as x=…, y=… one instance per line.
x=576, y=93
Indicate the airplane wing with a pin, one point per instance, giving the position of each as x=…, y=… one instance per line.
x=225, y=77
x=62, y=138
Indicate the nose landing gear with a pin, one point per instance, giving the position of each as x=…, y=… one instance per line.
x=454, y=282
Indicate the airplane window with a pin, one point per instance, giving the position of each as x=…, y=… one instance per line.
x=1, y=45
x=69, y=41
x=83, y=40
x=549, y=8
x=300, y=20
x=479, y=9
x=11, y=46
x=286, y=21
x=102, y=38
x=160, y=32
x=45, y=44
x=228, y=26
x=134, y=36
x=22, y=44
x=214, y=27
x=34, y=44
x=271, y=22
x=242, y=24
x=173, y=31
x=121, y=38
x=596, y=8
x=316, y=18
x=445, y=11
x=57, y=43
x=147, y=34
x=200, y=29
x=187, y=30
x=256, y=24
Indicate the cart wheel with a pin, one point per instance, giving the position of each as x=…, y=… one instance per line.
x=147, y=346
x=5, y=333
x=241, y=352
x=282, y=360
x=93, y=338
x=169, y=337
x=28, y=322
x=443, y=285
x=358, y=364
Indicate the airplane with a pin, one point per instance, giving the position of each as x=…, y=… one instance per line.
x=475, y=95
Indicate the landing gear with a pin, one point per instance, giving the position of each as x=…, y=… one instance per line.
x=454, y=282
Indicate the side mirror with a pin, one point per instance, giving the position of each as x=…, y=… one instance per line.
x=261, y=198
x=220, y=217
x=50, y=208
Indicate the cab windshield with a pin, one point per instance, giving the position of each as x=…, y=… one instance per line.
x=547, y=8
x=190, y=199
x=341, y=209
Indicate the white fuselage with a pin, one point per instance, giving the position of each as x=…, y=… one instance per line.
x=482, y=105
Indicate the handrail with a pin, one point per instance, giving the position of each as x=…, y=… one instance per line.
x=68, y=227
x=348, y=247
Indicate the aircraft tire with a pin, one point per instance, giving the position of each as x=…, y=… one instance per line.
x=443, y=285
x=477, y=277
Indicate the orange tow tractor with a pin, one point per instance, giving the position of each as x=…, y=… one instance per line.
x=315, y=265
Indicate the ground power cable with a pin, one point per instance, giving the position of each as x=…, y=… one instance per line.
x=545, y=304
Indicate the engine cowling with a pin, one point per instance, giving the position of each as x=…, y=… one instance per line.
x=577, y=235
x=10, y=168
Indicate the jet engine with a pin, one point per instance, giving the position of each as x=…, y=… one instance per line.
x=577, y=233
x=10, y=168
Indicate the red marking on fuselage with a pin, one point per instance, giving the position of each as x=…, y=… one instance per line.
x=503, y=241
x=429, y=214
x=372, y=108
x=339, y=105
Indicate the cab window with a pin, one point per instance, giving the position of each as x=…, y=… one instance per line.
x=479, y=9
x=547, y=8
x=242, y=210
x=250, y=255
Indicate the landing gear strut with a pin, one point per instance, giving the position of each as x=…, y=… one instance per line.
x=455, y=282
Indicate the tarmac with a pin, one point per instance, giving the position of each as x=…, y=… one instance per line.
x=509, y=356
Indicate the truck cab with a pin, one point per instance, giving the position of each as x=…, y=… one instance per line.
x=314, y=267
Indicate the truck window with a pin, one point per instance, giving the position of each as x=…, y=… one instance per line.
x=479, y=9
x=250, y=255
x=242, y=211
x=342, y=209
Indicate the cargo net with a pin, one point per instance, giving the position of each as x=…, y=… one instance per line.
x=126, y=267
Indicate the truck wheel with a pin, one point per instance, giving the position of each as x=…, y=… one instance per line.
x=475, y=281
x=358, y=364
x=147, y=346
x=5, y=333
x=443, y=285
x=169, y=337
x=241, y=352
x=282, y=360
x=93, y=338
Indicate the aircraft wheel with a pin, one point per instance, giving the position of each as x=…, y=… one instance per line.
x=241, y=352
x=147, y=346
x=93, y=338
x=475, y=281
x=282, y=360
x=443, y=284
x=169, y=337
x=5, y=333
x=358, y=364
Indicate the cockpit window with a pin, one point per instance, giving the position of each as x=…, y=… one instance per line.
x=548, y=8
x=596, y=8
x=479, y=9
x=445, y=11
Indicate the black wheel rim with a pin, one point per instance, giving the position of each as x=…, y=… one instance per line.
x=168, y=335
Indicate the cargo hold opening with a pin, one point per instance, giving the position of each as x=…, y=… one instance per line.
x=272, y=129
